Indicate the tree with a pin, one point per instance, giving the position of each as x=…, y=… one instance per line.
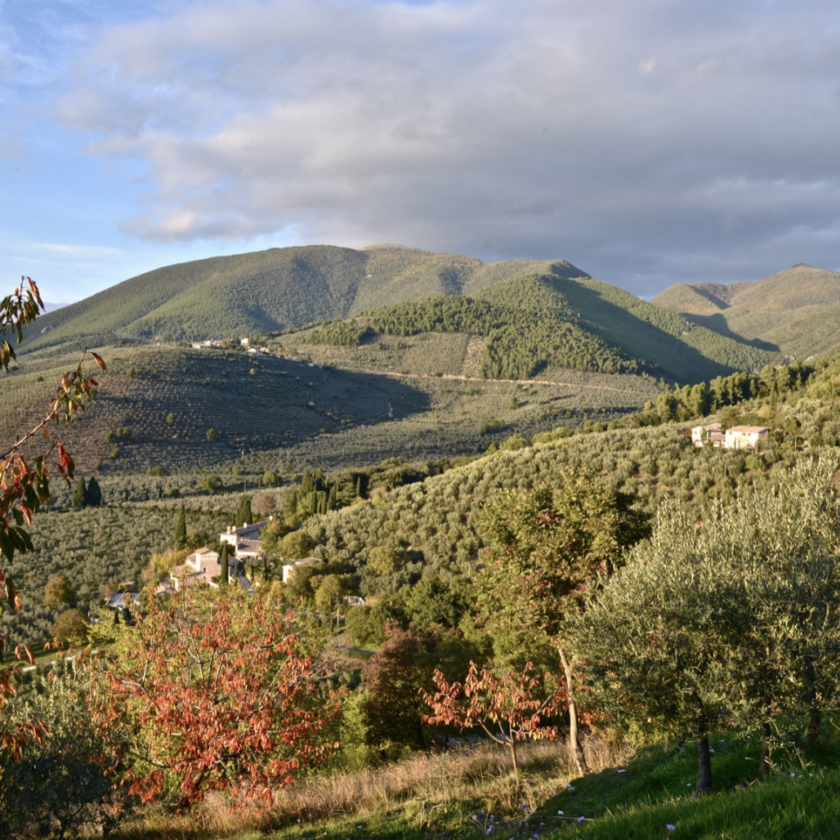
x=25, y=470
x=71, y=628
x=224, y=574
x=330, y=593
x=79, y=499
x=393, y=676
x=264, y=506
x=295, y=545
x=93, y=495
x=214, y=691
x=212, y=484
x=739, y=618
x=433, y=600
x=244, y=515
x=59, y=786
x=383, y=560
x=59, y=592
x=509, y=708
x=180, y=528
x=307, y=483
x=544, y=545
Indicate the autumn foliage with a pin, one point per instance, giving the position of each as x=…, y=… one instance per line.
x=509, y=708
x=25, y=469
x=214, y=691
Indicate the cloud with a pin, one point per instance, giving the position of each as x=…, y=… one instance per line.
x=492, y=127
x=647, y=67
x=78, y=251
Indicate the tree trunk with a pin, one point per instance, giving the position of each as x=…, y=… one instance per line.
x=574, y=739
x=815, y=719
x=704, y=766
x=514, y=762
x=814, y=723
x=764, y=762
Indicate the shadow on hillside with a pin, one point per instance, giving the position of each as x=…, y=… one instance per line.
x=191, y=409
x=718, y=324
x=664, y=352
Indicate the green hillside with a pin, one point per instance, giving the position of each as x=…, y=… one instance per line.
x=795, y=311
x=525, y=326
x=563, y=317
x=156, y=406
x=266, y=291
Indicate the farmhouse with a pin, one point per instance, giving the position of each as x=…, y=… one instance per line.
x=738, y=437
x=200, y=567
x=745, y=437
x=711, y=435
x=245, y=541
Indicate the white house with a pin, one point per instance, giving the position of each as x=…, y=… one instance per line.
x=306, y=561
x=200, y=567
x=711, y=435
x=245, y=541
x=738, y=437
x=745, y=437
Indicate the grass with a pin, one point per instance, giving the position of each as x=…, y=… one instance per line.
x=469, y=793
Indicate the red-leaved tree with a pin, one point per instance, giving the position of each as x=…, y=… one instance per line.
x=25, y=468
x=509, y=708
x=213, y=690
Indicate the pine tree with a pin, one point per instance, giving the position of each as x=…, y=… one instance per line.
x=181, y=528
x=93, y=494
x=224, y=575
x=79, y=494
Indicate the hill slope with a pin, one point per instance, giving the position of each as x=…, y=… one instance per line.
x=523, y=327
x=795, y=311
x=267, y=290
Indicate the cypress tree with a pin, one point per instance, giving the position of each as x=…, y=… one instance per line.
x=223, y=576
x=307, y=483
x=331, y=501
x=359, y=487
x=243, y=512
x=181, y=528
x=79, y=494
x=93, y=494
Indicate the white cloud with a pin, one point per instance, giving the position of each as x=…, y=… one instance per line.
x=77, y=251
x=491, y=127
x=648, y=66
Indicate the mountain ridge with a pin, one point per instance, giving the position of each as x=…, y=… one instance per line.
x=795, y=311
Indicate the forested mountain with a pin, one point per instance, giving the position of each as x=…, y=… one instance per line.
x=795, y=311
x=527, y=325
x=541, y=314
x=269, y=290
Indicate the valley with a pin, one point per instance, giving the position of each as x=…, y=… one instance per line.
x=436, y=422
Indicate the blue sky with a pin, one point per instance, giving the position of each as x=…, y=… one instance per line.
x=646, y=141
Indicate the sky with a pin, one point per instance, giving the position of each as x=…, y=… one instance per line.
x=646, y=141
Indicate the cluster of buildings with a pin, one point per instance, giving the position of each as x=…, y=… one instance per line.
x=204, y=566
x=737, y=437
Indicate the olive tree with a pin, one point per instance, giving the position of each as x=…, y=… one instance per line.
x=544, y=545
x=738, y=617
